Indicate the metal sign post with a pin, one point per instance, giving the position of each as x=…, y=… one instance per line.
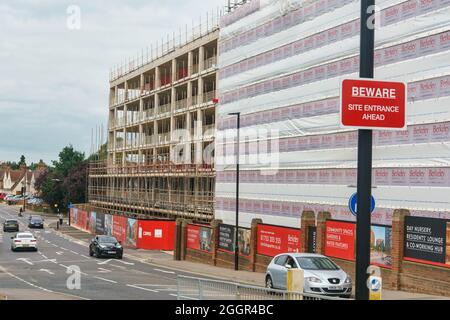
x=364, y=188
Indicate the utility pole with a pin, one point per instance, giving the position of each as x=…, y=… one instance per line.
x=236, y=228
x=364, y=157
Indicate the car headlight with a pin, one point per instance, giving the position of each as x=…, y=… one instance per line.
x=118, y=245
x=348, y=280
x=313, y=279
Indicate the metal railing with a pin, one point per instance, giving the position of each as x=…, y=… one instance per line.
x=180, y=104
x=190, y=288
x=165, y=108
x=209, y=96
x=210, y=63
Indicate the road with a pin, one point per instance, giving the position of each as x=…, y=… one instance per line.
x=46, y=272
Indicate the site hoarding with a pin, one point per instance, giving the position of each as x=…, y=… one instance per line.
x=108, y=224
x=100, y=223
x=198, y=237
x=273, y=240
x=427, y=240
x=340, y=242
x=227, y=239
x=156, y=235
x=119, y=227
x=131, y=233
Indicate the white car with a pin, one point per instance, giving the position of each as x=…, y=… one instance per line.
x=24, y=240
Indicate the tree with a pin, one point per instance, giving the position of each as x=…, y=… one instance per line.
x=22, y=161
x=52, y=192
x=101, y=154
x=40, y=178
x=68, y=158
x=74, y=184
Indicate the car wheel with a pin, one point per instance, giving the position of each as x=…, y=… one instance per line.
x=90, y=252
x=269, y=283
x=119, y=257
x=97, y=254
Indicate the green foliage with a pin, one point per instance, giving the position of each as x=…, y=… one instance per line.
x=68, y=158
x=22, y=161
x=101, y=154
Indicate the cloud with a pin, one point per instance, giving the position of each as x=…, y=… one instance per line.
x=54, y=82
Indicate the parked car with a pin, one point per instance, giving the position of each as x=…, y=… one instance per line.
x=322, y=276
x=11, y=225
x=2, y=195
x=105, y=246
x=25, y=241
x=36, y=222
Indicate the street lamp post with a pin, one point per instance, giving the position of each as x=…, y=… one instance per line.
x=236, y=230
x=24, y=189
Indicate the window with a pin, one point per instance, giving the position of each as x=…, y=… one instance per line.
x=290, y=261
x=316, y=263
x=281, y=260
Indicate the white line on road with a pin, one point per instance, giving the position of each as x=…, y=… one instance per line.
x=127, y=263
x=58, y=253
x=85, y=274
x=107, y=280
x=171, y=272
x=46, y=270
x=104, y=262
x=44, y=256
x=74, y=252
x=136, y=287
x=84, y=256
x=53, y=244
x=64, y=249
x=104, y=270
x=26, y=261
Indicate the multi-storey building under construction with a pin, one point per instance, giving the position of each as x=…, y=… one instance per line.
x=160, y=136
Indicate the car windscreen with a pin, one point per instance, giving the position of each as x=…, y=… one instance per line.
x=25, y=236
x=11, y=222
x=316, y=263
x=107, y=240
x=36, y=220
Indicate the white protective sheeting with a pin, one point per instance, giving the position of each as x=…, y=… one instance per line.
x=279, y=81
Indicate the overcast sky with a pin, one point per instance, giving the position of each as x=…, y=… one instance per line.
x=54, y=79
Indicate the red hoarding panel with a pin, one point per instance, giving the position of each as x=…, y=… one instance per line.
x=373, y=104
x=156, y=235
x=274, y=240
x=120, y=228
x=193, y=237
x=82, y=219
x=340, y=240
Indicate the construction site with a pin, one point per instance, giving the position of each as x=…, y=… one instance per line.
x=162, y=113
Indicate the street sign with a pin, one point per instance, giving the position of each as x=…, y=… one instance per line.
x=368, y=104
x=353, y=204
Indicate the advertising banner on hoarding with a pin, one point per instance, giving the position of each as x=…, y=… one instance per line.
x=227, y=236
x=108, y=224
x=340, y=239
x=73, y=216
x=273, y=240
x=82, y=219
x=198, y=237
x=132, y=228
x=92, y=221
x=156, y=235
x=119, y=228
x=100, y=224
x=426, y=240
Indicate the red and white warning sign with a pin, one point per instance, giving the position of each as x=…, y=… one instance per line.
x=369, y=104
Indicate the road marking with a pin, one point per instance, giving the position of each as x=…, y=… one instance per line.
x=53, y=244
x=64, y=249
x=107, y=280
x=25, y=281
x=127, y=263
x=84, y=256
x=145, y=289
x=83, y=273
x=171, y=272
x=74, y=252
x=47, y=260
x=58, y=253
x=46, y=270
x=44, y=256
x=104, y=270
x=26, y=261
x=104, y=262
x=184, y=297
x=46, y=231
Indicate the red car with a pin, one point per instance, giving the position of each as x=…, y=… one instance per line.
x=2, y=195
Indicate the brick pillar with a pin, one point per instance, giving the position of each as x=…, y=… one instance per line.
x=322, y=218
x=183, y=238
x=215, y=239
x=254, y=242
x=308, y=219
x=398, y=235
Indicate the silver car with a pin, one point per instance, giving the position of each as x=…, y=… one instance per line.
x=322, y=276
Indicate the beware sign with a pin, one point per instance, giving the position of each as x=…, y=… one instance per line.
x=369, y=104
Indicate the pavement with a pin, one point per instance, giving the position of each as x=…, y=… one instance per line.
x=159, y=260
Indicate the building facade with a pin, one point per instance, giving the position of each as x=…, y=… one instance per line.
x=162, y=115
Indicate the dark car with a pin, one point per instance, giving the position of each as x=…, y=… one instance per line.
x=36, y=222
x=105, y=246
x=11, y=225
